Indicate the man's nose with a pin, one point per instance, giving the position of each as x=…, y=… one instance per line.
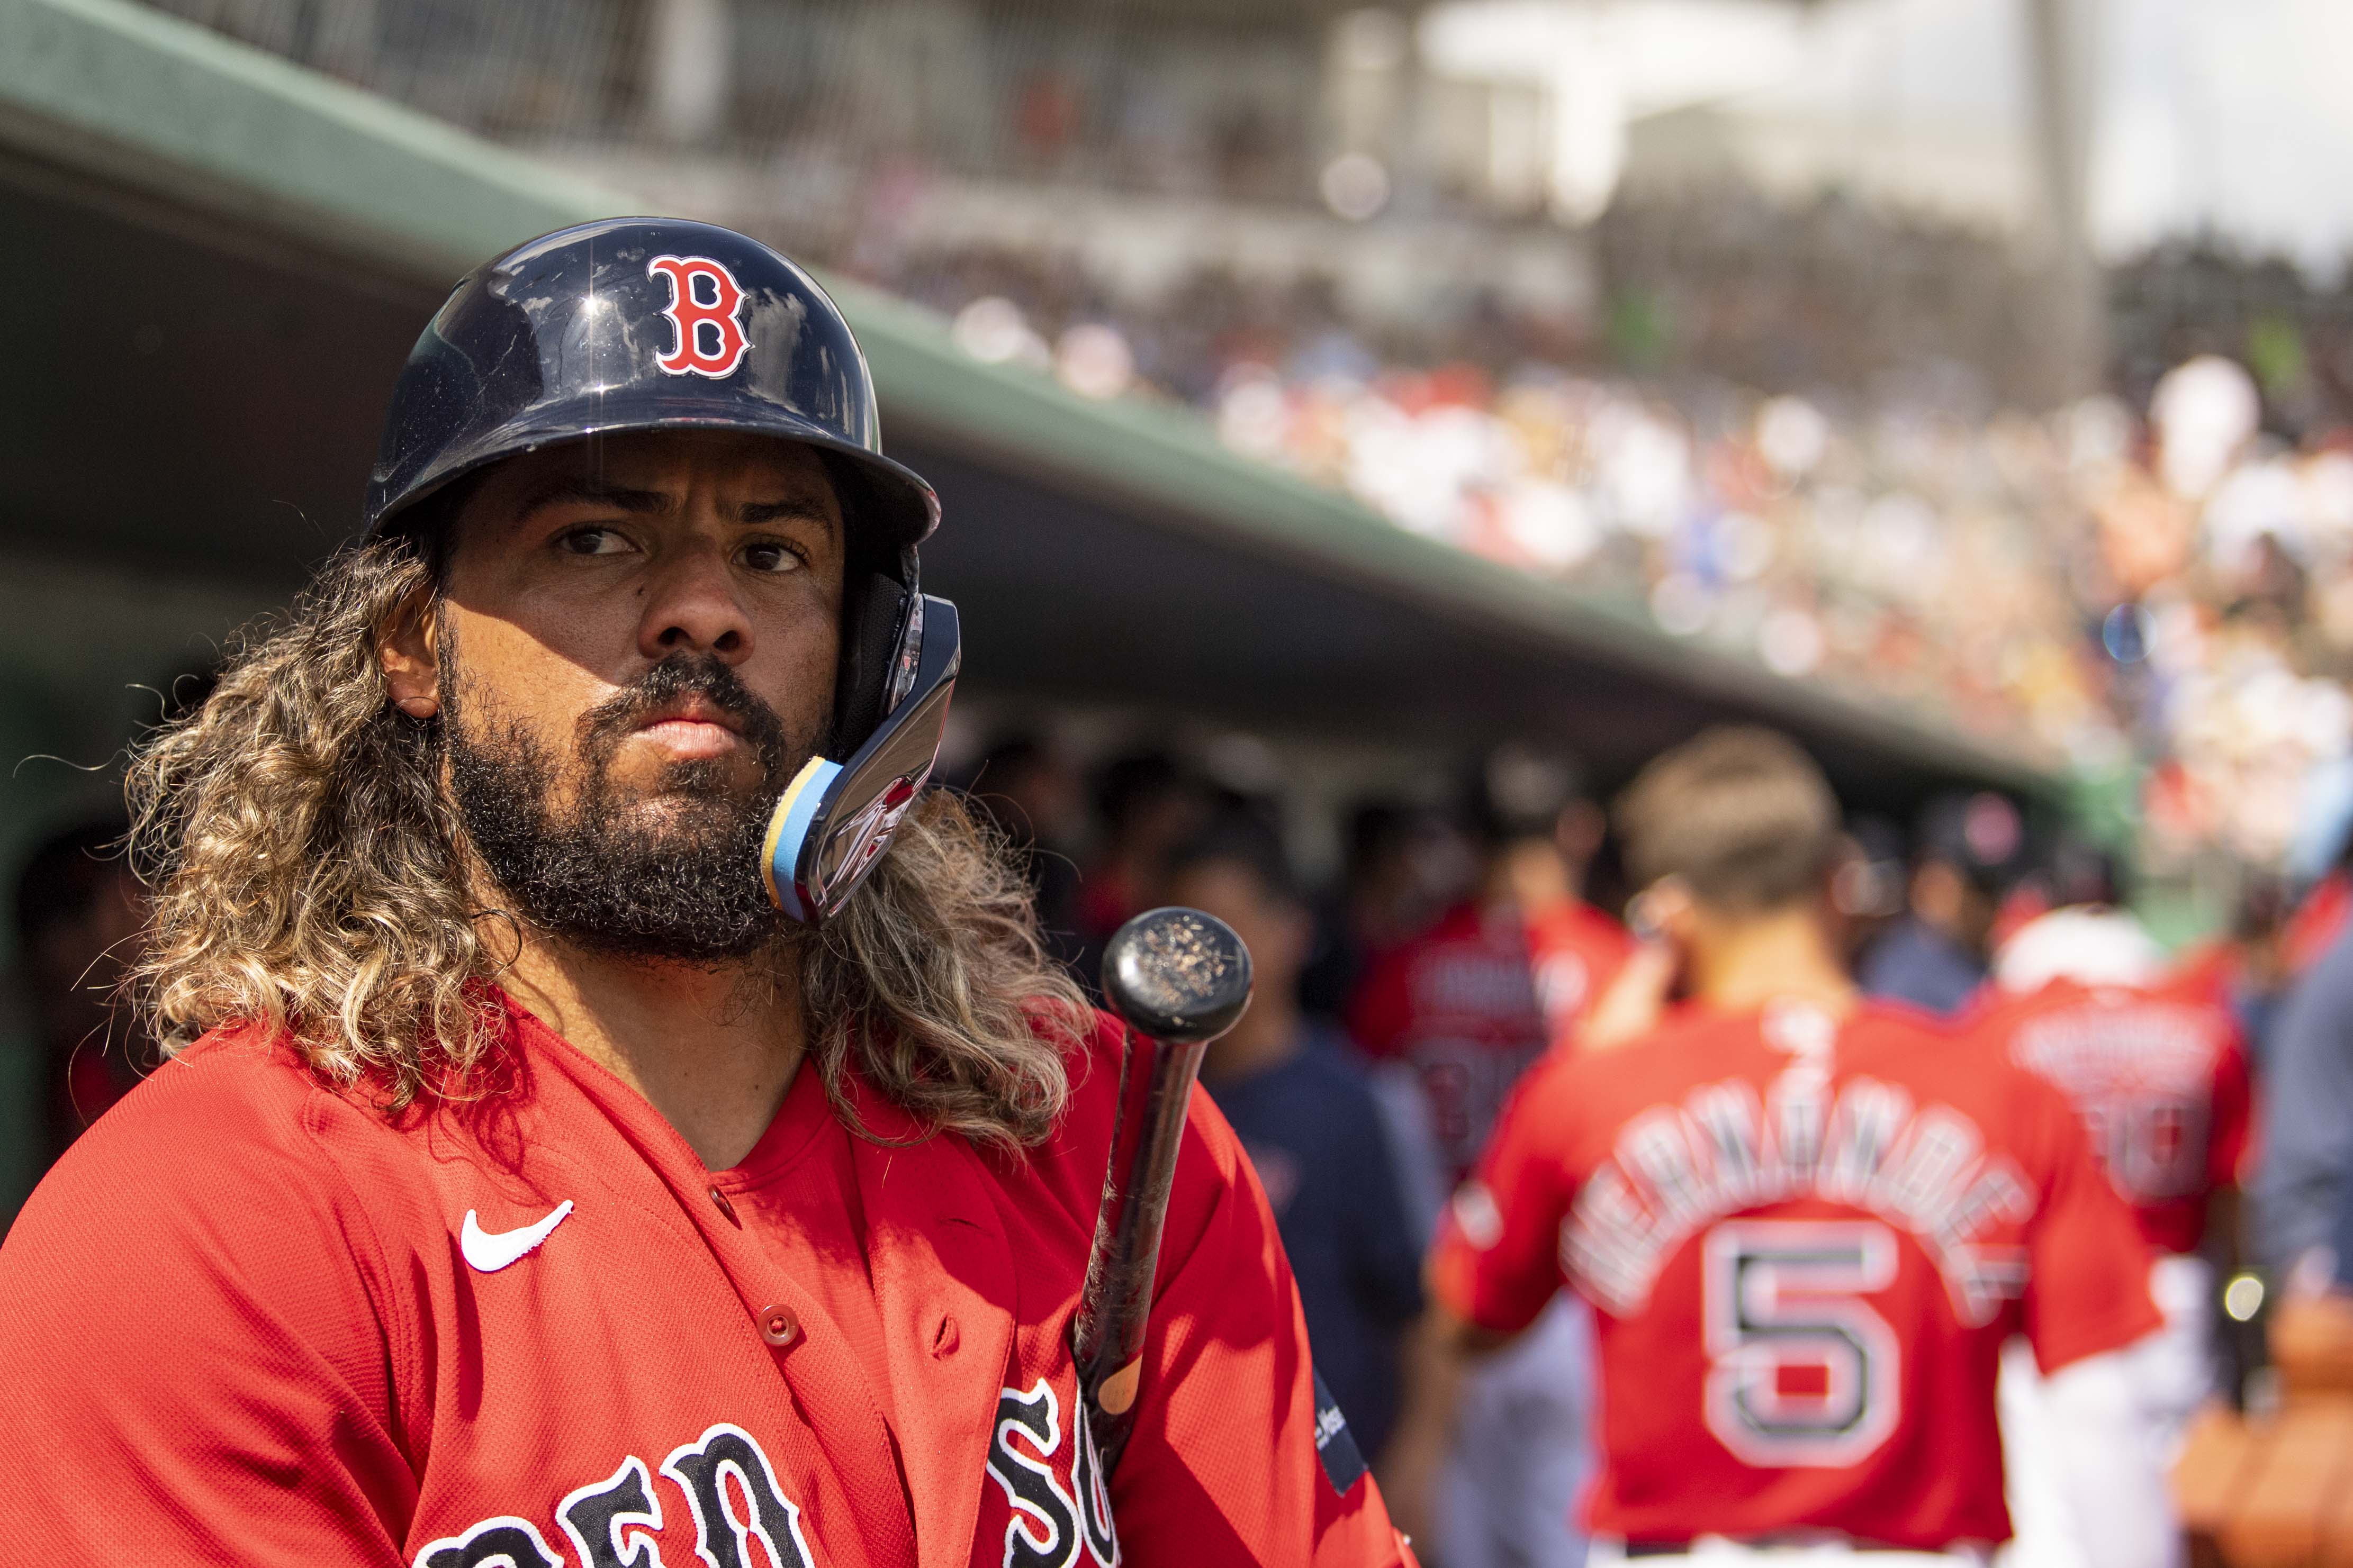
x=691, y=604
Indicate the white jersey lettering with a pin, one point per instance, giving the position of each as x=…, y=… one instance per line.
x=1677, y=1169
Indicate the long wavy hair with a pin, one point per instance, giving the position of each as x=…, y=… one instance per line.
x=308, y=875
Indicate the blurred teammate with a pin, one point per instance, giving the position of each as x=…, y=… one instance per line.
x=1147, y=803
x=1302, y=1108
x=1968, y=850
x=1806, y=1222
x=2306, y=1172
x=2158, y=1072
x=78, y=914
x=2246, y=967
x=1469, y=1005
x=2317, y=918
x=1473, y=1001
x=1406, y=865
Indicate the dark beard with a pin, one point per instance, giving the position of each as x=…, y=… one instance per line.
x=686, y=888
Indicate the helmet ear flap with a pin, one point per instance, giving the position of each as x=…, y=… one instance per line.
x=878, y=594
x=875, y=607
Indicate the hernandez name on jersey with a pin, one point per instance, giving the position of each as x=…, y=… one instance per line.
x=1806, y=1240
x=274, y=1326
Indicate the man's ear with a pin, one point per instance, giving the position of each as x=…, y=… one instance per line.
x=409, y=650
x=1669, y=911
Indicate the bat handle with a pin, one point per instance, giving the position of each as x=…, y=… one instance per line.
x=1155, y=1089
x=1180, y=979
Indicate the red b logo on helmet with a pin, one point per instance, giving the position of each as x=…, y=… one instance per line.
x=703, y=299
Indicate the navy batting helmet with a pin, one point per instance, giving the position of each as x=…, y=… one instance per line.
x=636, y=325
x=643, y=323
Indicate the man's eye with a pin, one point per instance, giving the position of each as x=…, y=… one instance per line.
x=776, y=558
x=592, y=542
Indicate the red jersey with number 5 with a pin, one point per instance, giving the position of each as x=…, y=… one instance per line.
x=2161, y=1079
x=1474, y=1000
x=1805, y=1240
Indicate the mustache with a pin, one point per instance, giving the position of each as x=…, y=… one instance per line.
x=604, y=726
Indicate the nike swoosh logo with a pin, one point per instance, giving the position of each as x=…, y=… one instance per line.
x=490, y=1252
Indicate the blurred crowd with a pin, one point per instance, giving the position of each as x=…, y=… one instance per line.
x=1772, y=425
x=2169, y=584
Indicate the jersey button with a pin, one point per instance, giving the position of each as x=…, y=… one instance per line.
x=724, y=1206
x=778, y=1326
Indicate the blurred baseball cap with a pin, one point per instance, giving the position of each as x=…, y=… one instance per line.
x=2088, y=946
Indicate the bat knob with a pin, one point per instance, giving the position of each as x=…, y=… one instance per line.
x=1177, y=975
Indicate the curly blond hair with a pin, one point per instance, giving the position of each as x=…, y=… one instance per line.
x=309, y=875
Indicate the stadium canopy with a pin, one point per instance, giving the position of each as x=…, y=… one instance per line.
x=218, y=260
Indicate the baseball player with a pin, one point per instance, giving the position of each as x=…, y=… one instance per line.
x=1472, y=1002
x=1466, y=1008
x=565, y=1159
x=1806, y=1223
x=2155, y=1068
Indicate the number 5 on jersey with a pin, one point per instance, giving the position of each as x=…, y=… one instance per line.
x=1802, y=1370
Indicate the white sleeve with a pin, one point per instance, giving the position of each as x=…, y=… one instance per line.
x=2107, y=1453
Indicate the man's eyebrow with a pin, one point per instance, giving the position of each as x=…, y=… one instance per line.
x=597, y=493
x=807, y=506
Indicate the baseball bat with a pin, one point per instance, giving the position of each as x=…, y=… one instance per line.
x=1177, y=979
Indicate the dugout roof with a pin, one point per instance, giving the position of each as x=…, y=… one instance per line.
x=218, y=261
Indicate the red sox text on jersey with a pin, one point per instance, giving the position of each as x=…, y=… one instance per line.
x=1055, y=1489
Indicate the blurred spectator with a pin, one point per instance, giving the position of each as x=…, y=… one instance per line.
x=1030, y=788
x=2076, y=587
x=1305, y=1112
x=1147, y=803
x=1470, y=1003
x=1969, y=849
x=79, y=911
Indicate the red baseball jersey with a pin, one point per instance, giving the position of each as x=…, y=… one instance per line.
x=2160, y=1076
x=255, y=1322
x=1805, y=1241
x=1473, y=1001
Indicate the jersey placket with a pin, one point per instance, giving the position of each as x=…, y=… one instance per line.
x=818, y=1382
x=829, y=1388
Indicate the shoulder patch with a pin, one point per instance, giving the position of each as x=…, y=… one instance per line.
x=1344, y=1465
